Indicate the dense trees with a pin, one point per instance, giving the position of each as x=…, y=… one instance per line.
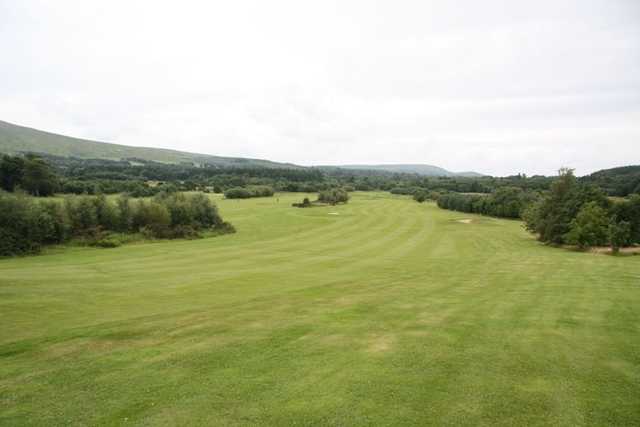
x=29, y=173
x=580, y=214
x=552, y=215
x=11, y=171
x=620, y=182
x=26, y=224
x=506, y=202
x=145, y=178
x=108, y=176
x=570, y=212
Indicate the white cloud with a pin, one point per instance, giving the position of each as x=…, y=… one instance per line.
x=495, y=86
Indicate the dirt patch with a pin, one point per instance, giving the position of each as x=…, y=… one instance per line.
x=333, y=340
x=607, y=250
x=380, y=344
x=345, y=301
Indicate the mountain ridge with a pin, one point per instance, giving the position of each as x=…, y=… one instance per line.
x=16, y=139
x=416, y=168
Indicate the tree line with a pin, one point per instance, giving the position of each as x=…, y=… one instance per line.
x=146, y=178
x=581, y=214
x=505, y=202
x=570, y=212
x=27, y=224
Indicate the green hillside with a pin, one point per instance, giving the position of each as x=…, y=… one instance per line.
x=620, y=181
x=420, y=169
x=16, y=139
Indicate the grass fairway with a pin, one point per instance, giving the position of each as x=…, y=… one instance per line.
x=388, y=313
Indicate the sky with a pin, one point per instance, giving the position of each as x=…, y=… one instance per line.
x=498, y=87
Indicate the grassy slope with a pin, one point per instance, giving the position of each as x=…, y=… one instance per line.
x=17, y=139
x=389, y=313
x=420, y=169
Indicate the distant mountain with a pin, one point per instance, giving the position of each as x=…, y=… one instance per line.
x=16, y=139
x=420, y=169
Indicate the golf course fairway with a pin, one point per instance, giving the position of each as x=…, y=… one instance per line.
x=382, y=311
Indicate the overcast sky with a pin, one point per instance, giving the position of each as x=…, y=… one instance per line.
x=498, y=87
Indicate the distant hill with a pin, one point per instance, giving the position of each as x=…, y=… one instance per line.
x=16, y=139
x=620, y=181
x=420, y=169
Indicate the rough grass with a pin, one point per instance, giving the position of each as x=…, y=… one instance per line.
x=390, y=313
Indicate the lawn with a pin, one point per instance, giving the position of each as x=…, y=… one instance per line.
x=379, y=312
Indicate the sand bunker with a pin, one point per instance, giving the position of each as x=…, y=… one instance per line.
x=465, y=221
x=334, y=213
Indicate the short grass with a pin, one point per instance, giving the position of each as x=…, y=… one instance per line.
x=389, y=313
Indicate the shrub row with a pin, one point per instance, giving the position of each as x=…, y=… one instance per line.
x=27, y=224
x=248, y=192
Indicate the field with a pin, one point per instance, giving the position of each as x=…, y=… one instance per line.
x=386, y=312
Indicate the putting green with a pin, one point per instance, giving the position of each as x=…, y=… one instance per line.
x=388, y=313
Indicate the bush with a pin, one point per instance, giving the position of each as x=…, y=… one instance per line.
x=26, y=225
x=125, y=214
x=405, y=191
x=18, y=230
x=105, y=242
x=589, y=228
x=237, y=193
x=420, y=196
x=106, y=214
x=248, y=192
x=306, y=203
x=205, y=213
x=82, y=214
x=225, y=228
x=52, y=225
x=619, y=235
x=333, y=196
x=152, y=219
